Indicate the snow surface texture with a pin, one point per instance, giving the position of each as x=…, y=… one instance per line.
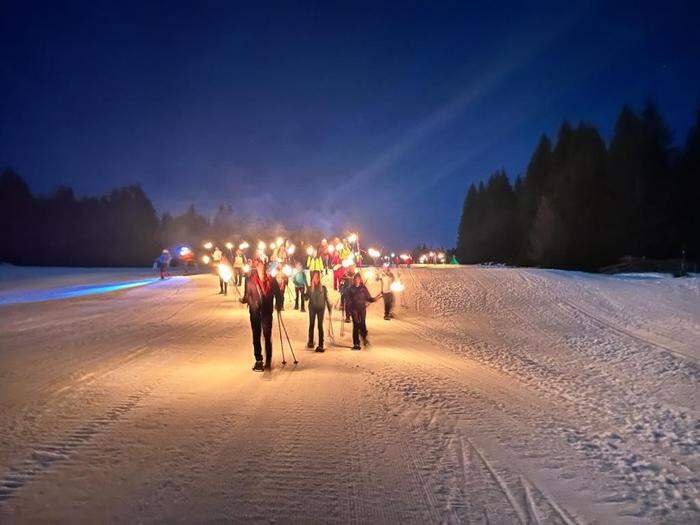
x=497, y=395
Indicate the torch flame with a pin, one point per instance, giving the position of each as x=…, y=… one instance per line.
x=225, y=272
x=396, y=286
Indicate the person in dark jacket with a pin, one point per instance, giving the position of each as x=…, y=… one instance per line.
x=344, y=288
x=317, y=295
x=358, y=297
x=387, y=279
x=261, y=291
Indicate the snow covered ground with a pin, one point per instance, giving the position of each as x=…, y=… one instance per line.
x=498, y=395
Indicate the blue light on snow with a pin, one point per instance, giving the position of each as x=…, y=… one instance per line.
x=67, y=292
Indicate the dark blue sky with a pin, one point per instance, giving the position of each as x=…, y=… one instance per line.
x=367, y=116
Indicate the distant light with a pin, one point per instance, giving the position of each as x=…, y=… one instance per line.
x=229, y=245
x=280, y=241
x=243, y=245
x=208, y=245
x=205, y=259
x=287, y=270
x=352, y=237
x=272, y=245
x=262, y=245
x=291, y=249
x=309, y=250
x=339, y=246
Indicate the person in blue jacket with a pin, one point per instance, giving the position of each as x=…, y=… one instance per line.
x=300, y=284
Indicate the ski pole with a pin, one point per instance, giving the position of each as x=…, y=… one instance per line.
x=331, y=335
x=279, y=327
x=287, y=336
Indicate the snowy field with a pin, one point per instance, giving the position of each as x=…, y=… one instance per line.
x=498, y=395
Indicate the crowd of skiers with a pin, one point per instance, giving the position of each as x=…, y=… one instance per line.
x=265, y=292
x=265, y=279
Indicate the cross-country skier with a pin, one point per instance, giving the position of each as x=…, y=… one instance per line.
x=387, y=279
x=317, y=294
x=314, y=262
x=338, y=269
x=300, y=284
x=261, y=291
x=164, y=263
x=344, y=288
x=216, y=257
x=238, y=264
x=358, y=297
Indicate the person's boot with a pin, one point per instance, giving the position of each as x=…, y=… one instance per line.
x=356, y=347
x=365, y=341
x=268, y=366
x=296, y=306
x=320, y=349
x=258, y=366
x=310, y=344
x=302, y=309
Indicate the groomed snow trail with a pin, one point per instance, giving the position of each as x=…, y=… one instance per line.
x=496, y=396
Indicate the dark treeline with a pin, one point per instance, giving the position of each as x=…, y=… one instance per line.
x=121, y=228
x=584, y=204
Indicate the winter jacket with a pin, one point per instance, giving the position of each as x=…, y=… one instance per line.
x=345, y=253
x=315, y=263
x=357, y=298
x=257, y=300
x=238, y=261
x=317, y=297
x=299, y=279
x=216, y=256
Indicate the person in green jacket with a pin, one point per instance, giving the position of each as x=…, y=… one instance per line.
x=317, y=294
x=314, y=262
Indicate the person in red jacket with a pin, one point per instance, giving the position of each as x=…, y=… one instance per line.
x=261, y=291
x=338, y=270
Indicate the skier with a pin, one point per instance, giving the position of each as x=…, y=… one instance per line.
x=325, y=257
x=238, y=263
x=217, y=256
x=387, y=279
x=282, y=281
x=317, y=294
x=164, y=263
x=261, y=291
x=300, y=285
x=358, y=297
x=344, y=288
x=314, y=261
x=338, y=270
x=223, y=283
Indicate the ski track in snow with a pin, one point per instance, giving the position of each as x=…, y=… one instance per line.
x=498, y=395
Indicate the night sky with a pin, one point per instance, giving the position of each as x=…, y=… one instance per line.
x=364, y=116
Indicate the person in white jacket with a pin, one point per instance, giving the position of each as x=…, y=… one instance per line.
x=216, y=258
